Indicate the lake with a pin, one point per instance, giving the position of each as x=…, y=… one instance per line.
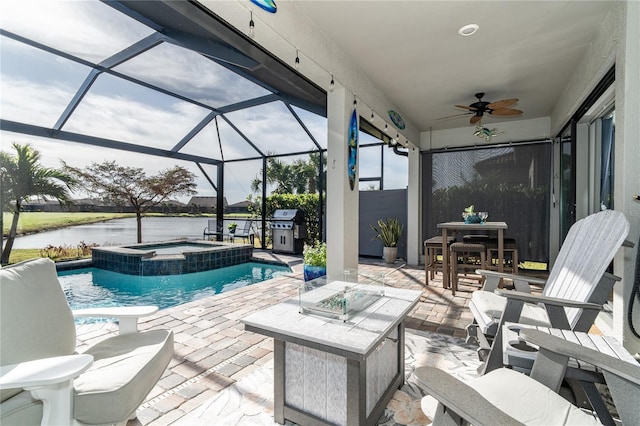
x=120, y=231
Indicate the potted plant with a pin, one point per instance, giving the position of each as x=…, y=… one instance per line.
x=315, y=261
x=389, y=231
x=232, y=227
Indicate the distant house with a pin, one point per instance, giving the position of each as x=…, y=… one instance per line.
x=88, y=205
x=205, y=204
x=39, y=204
x=239, y=207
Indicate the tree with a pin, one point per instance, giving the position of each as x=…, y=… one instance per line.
x=22, y=177
x=299, y=177
x=121, y=185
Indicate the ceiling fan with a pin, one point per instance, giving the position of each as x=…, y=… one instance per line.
x=479, y=108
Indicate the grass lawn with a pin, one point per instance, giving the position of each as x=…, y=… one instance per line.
x=18, y=255
x=41, y=221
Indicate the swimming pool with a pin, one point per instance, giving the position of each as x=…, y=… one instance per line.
x=95, y=287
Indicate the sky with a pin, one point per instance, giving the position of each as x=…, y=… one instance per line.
x=37, y=86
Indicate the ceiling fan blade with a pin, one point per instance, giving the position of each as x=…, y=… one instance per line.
x=502, y=104
x=465, y=107
x=453, y=116
x=475, y=119
x=505, y=111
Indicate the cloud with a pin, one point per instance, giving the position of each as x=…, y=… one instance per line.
x=192, y=75
x=31, y=102
x=87, y=29
x=272, y=128
x=37, y=87
x=151, y=119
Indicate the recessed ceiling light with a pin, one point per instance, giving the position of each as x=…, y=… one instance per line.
x=468, y=30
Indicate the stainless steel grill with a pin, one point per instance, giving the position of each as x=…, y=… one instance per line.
x=288, y=230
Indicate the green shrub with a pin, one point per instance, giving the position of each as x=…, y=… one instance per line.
x=315, y=255
x=308, y=203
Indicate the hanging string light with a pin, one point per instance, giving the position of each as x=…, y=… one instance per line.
x=252, y=25
x=296, y=64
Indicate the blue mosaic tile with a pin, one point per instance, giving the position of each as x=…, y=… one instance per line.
x=124, y=260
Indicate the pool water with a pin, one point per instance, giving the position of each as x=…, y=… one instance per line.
x=94, y=287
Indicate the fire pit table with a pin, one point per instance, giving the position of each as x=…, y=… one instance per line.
x=331, y=370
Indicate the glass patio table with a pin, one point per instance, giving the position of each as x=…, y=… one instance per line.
x=499, y=227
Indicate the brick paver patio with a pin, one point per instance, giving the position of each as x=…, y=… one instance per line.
x=212, y=350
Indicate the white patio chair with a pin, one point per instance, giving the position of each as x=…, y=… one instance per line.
x=505, y=396
x=43, y=381
x=573, y=294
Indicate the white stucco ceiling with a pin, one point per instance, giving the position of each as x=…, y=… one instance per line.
x=412, y=51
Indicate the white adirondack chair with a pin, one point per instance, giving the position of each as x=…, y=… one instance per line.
x=573, y=294
x=43, y=381
x=506, y=397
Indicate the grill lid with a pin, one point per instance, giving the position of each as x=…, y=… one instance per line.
x=288, y=215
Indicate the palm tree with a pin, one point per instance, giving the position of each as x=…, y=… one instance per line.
x=22, y=177
x=299, y=177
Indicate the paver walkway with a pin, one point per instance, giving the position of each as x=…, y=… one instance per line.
x=212, y=350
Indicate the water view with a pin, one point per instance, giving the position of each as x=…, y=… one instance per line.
x=120, y=231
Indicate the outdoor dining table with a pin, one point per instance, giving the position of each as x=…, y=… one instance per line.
x=462, y=226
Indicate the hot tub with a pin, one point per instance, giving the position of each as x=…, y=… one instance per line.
x=171, y=257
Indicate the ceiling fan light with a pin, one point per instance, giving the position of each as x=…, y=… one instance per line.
x=468, y=30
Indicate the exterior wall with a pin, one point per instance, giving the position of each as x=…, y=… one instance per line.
x=376, y=205
x=618, y=42
x=627, y=158
x=600, y=56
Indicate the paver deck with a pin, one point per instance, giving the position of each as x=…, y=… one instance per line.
x=213, y=351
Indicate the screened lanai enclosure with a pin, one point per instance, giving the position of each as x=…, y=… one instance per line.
x=155, y=84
